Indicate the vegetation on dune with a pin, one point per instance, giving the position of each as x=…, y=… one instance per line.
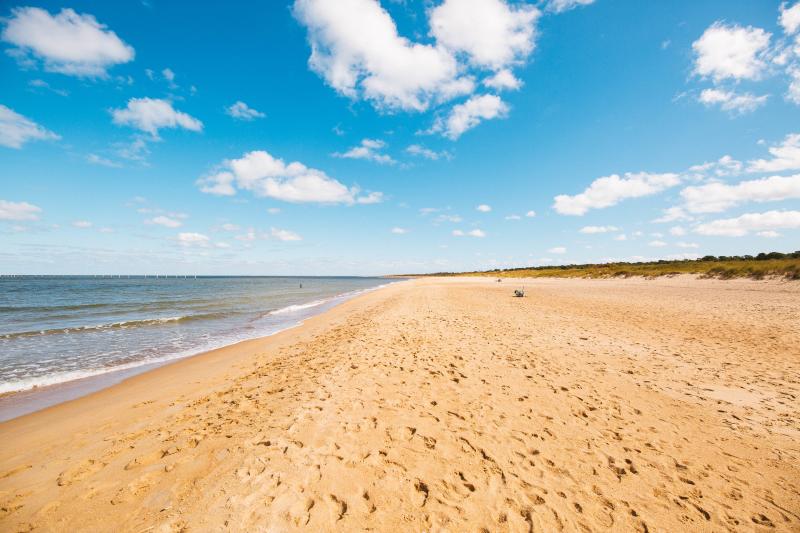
x=763, y=265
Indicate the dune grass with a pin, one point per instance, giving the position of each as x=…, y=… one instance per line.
x=764, y=265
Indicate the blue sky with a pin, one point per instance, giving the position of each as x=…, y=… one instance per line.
x=365, y=137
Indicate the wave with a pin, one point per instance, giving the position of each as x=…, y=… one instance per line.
x=125, y=324
x=299, y=307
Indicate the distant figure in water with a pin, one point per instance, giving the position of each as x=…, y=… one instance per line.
x=301, y=284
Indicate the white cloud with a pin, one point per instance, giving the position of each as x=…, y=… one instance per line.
x=724, y=52
x=193, y=239
x=657, y=244
x=472, y=233
x=503, y=79
x=399, y=231
x=165, y=221
x=724, y=166
x=102, y=161
x=369, y=149
x=284, y=235
x=621, y=237
x=610, y=190
x=598, y=229
x=672, y=214
x=448, y=218
x=274, y=210
x=69, y=43
x=492, y=33
x=483, y=208
x=466, y=116
x=421, y=151
x=751, y=222
x=793, y=94
x=153, y=114
x=677, y=231
x=560, y=6
x=267, y=176
x=513, y=217
x=682, y=244
x=530, y=214
x=242, y=111
x=16, y=130
x=230, y=227
x=785, y=156
x=731, y=101
x=716, y=197
x=18, y=211
x=557, y=250
x=790, y=18
x=82, y=224
x=356, y=48
x=169, y=75
x=768, y=234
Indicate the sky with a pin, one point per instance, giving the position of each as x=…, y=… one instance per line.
x=366, y=137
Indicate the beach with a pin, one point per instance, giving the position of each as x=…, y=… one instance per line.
x=446, y=404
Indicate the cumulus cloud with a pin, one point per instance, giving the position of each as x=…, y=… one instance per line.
x=267, y=176
x=399, y=231
x=677, y=231
x=82, y=224
x=152, y=114
x=369, y=149
x=598, y=229
x=69, y=43
x=420, y=151
x=466, y=116
x=530, y=214
x=559, y=6
x=165, y=221
x=731, y=52
x=491, y=33
x=724, y=166
x=242, y=111
x=751, y=222
x=284, y=235
x=193, y=239
x=657, y=244
x=18, y=211
x=716, y=197
x=672, y=214
x=483, y=208
x=610, y=190
x=557, y=250
x=472, y=233
x=16, y=130
x=513, y=217
x=790, y=18
x=785, y=156
x=732, y=101
x=357, y=50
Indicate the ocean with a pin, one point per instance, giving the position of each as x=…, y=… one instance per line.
x=57, y=329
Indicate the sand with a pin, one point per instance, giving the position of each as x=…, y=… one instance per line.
x=446, y=405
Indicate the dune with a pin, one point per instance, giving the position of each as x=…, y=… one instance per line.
x=446, y=405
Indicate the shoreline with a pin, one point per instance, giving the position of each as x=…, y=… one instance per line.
x=16, y=403
x=445, y=404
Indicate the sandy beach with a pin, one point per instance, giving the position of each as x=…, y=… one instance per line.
x=446, y=405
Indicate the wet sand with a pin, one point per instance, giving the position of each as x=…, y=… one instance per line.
x=446, y=405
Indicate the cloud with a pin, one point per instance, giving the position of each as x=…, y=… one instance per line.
x=657, y=244
x=165, y=221
x=768, y=234
x=557, y=250
x=716, y=197
x=169, y=75
x=793, y=94
x=677, y=231
x=790, y=18
x=369, y=149
x=421, y=151
x=785, y=156
x=242, y=111
x=82, y=224
x=502, y=80
x=530, y=214
x=681, y=244
x=731, y=101
x=610, y=190
x=284, y=235
x=274, y=210
x=724, y=52
x=513, y=217
x=16, y=130
x=672, y=214
x=466, y=116
x=598, y=229
x=492, y=33
x=449, y=218
x=621, y=237
x=399, y=231
x=152, y=114
x=559, y=6
x=472, y=233
x=483, y=208
x=102, y=161
x=751, y=222
x=67, y=43
x=18, y=211
x=267, y=176
x=230, y=227
x=724, y=166
x=193, y=239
